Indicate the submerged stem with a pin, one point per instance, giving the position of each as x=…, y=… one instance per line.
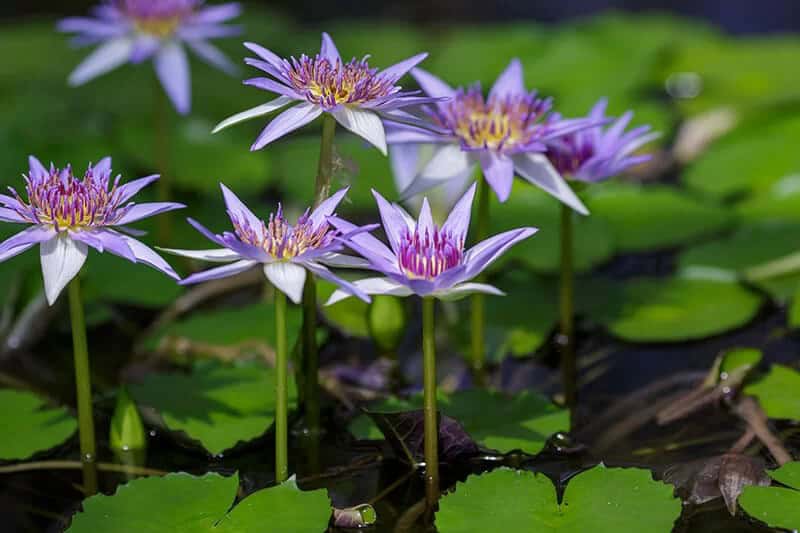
x=566, y=308
x=163, y=185
x=430, y=411
x=83, y=388
x=478, y=319
x=281, y=390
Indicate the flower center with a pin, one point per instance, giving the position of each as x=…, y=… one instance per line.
x=66, y=203
x=283, y=241
x=329, y=84
x=570, y=152
x=501, y=124
x=159, y=18
x=426, y=255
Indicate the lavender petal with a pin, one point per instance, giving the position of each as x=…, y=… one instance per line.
x=288, y=121
x=219, y=272
x=172, y=68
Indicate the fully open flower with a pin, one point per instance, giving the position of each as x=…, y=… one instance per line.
x=133, y=31
x=505, y=134
x=595, y=153
x=423, y=258
x=68, y=215
x=357, y=95
x=286, y=251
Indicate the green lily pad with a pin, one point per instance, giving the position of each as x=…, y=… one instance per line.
x=599, y=500
x=181, y=502
x=30, y=425
x=496, y=421
x=777, y=392
x=215, y=405
x=776, y=506
x=653, y=217
x=780, y=202
x=670, y=309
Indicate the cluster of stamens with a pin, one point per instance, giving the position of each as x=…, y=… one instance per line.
x=501, y=124
x=159, y=18
x=329, y=84
x=283, y=241
x=426, y=255
x=64, y=202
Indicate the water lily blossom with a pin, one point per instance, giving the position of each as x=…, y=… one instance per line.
x=134, y=31
x=68, y=215
x=505, y=134
x=423, y=258
x=355, y=94
x=286, y=251
x=597, y=153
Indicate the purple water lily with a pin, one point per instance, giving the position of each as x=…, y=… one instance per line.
x=133, y=31
x=286, y=251
x=425, y=259
x=357, y=95
x=595, y=153
x=504, y=134
x=69, y=215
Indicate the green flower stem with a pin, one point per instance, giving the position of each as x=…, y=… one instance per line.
x=325, y=169
x=163, y=185
x=431, y=413
x=83, y=388
x=478, y=310
x=282, y=390
x=566, y=308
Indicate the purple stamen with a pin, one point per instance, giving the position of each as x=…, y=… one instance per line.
x=428, y=254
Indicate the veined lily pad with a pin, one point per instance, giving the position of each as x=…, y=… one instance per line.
x=181, y=502
x=599, y=500
x=776, y=506
x=777, y=392
x=30, y=426
x=496, y=421
x=652, y=217
x=216, y=405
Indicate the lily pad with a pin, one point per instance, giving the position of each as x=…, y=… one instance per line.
x=217, y=406
x=654, y=217
x=777, y=392
x=780, y=202
x=776, y=506
x=496, y=421
x=599, y=500
x=30, y=425
x=671, y=309
x=181, y=502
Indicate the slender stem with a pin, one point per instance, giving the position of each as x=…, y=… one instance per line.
x=83, y=388
x=322, y=188
x=478, y=311
x=567, y=338
x=164, y=184
x=431, y=413
x=282, y=390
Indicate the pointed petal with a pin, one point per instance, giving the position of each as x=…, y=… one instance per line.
x=498, y=170
x=217, y=14
x=398, y=70
x=457, y=222
x=103, y=166
x=483, y=254
x=538, y=170
x=129, y=190
x=36, y=168
x=104, y=240
x=328, y=49
x=365, y=124
x=272, y=86
x=62, y=259
x=425, y=223
x=366, y=245
x=213, y=56
x=255, y=112
x=104, y=58
x=395, y=224
x=27, y=238
x=219, y=272
x=288, y=121
x=321, y=272
x=145, y=254
x=219, y=255
x=432, y=85
x=208, y=234
x=237, y=209
x=144, y=47
x=447, y=162
x=327, y=207
x=172, y=68
x=9, y=215
x=510, y=81
x=465, y=289
x=338, y=260
x=404, y=159
x=289, y=278
x=267, y=55
x=140, y=211
x=372, y=286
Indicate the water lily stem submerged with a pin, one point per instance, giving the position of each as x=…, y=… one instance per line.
x=478, y=312
x=281, y=390
x=566, y=307
x=430, y=411
x=83, y=388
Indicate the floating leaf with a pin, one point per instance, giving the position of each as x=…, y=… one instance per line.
x=777, y=392
x=780, y=202
x=653, y=217
x=181, y=502
x=599, y=500
x=30, y=426
x=216, y=405
x=776, y=506
x=670, y=309
x=496, y=421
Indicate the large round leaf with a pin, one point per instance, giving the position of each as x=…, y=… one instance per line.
x=776, y=506
x=777, y=392
x=652, y=217
x=671, y=309
x=188, y=504
x=780, y=202
x=599, y=500
x=30, y=426
x=218, y=406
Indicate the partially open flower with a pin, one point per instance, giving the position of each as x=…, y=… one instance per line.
x=68, y=215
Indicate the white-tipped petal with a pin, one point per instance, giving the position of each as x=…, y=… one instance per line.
x=221, y=255
x=465, y=289
x=255, y=112
x=288, y=278
x=538, y=170
x=365, y=124
x=372, y=286
x=62, y=259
